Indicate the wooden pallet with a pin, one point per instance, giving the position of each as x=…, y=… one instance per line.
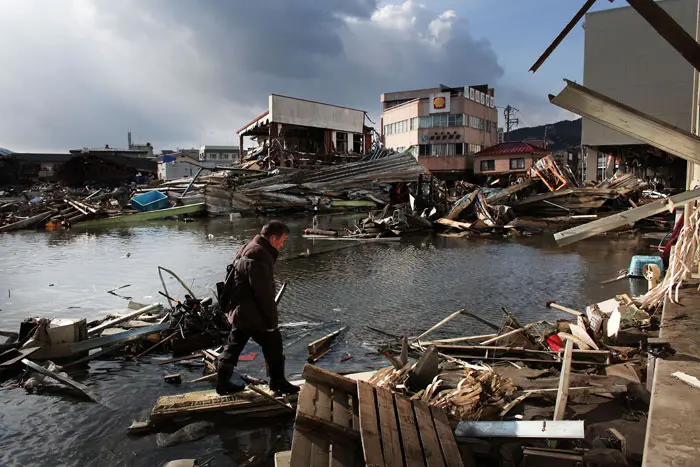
x=193, y=403
x=342, y=422
x=396, y=431
x=326, y=431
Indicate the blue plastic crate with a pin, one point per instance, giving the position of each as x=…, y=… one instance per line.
x=151, y=201
x=637, y=265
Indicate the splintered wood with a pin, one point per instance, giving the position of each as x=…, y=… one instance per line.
x=464, y=395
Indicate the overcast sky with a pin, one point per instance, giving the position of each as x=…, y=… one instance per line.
x=182, y=73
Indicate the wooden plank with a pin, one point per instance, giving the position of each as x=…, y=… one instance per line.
x=318, y=375
x=563, y=393
x=341, y=455
x=629, y=217
x=316, y=345
x=439, y=325
x=508, y=191
x=320, y=449
x=428, y=435
x=63, y=379
x=389, y=428
x=121, y=319
x=328, y=431
x=447, y=438
x=302, y=440
x=409, y=433
x=369, y=427
x=192, y=403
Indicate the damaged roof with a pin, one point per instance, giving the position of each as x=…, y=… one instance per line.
x=511, y=147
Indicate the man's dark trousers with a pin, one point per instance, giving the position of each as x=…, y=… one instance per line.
x=271, y=343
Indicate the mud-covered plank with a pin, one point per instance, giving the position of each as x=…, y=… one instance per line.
x=302, y=440
x=409, y=433
x=450, y=450
x=389, y=428
x=428, y=435
x=369, y=426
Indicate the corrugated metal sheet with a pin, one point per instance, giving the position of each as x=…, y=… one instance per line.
x=511, y=147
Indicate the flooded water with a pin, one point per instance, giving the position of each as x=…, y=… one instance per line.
x=402, y=287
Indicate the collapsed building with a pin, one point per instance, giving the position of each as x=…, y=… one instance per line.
x=296, y=132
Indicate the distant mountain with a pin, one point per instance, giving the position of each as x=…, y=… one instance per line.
x=561, y=135
x=5, y=152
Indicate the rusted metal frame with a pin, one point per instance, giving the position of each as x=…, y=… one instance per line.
x=565, y=32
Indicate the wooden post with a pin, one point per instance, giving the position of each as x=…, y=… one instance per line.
x=563, y=391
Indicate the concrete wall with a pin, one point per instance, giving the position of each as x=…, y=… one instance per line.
x=625, y=59
x=174, y=170
x=300, y=112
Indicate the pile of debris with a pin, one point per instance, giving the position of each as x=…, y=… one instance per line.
x=53, y=206
x=354, y=185
x=549, y=199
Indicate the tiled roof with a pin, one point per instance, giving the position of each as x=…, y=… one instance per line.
x=511, y=147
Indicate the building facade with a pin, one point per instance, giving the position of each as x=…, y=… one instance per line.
x=512, y=159
x=211, y=156
x=306, y=126
x=177, y=165
x=445, y=126
x=628, y=61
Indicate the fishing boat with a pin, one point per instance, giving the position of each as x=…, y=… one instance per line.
x=145, y=216
x=28, y=223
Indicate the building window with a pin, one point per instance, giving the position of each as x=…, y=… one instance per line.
x=474, y=148
x=415, y=123
x=488, y=165
x=341, y=141
x=459, y=149
x=516, y=164
x=357, y=143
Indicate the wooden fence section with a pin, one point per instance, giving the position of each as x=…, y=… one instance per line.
x=326, y=430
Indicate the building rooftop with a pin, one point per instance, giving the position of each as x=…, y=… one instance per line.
x=511, y=147
x=38, y=157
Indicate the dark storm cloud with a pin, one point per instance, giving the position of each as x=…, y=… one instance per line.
x=179, y=72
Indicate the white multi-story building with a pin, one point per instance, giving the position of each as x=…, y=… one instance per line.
x=219, y=155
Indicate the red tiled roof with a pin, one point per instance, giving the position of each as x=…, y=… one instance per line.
x=511, y=147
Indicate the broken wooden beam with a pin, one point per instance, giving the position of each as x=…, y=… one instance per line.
x=62, y=379
x=321, y=347
x=121, y=319
x=563, y=391
x=439, y=325
x=581, y=232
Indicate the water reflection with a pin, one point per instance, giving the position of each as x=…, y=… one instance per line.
x=400, y=287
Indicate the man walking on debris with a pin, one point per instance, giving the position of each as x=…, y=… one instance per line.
x=249, y=292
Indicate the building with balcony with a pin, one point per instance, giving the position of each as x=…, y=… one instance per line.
x=446, y=126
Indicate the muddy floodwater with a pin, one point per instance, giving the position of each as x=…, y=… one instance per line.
x=401, y=287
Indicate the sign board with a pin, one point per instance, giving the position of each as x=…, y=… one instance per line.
x=440, y=103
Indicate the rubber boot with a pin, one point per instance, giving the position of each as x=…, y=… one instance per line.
x=224, y=385
x=278, y=381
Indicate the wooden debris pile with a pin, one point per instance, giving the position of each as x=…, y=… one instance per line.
x=465, y=394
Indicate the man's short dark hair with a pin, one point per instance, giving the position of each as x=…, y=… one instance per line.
x=274, y=229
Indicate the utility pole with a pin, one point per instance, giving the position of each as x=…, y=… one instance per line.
x=511, y=121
